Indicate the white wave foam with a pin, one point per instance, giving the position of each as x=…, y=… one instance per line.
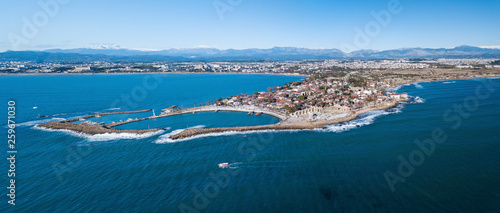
x=363, y=120
x=120, y=136
x=102, y=137
x=35, y=122
x=394, y=88
x=166, y=137
x=196, y=127
x=449, y=82
x=235, y=165
x=110, y=109
x=417, y=85
x=418, y=100
x=366, y=119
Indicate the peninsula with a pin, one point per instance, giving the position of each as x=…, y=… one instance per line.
x=308, y=104
x=335, y=91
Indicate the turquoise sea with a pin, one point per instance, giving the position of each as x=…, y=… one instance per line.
x=438, y=153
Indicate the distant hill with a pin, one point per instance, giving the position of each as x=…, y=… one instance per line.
x=40, y=56
x=213, y=54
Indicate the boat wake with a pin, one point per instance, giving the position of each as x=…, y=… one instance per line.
x=260, y=164
x=102, y=137
x=235, y=165
x=394, y=89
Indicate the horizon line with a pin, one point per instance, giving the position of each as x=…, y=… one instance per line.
x=117, y=47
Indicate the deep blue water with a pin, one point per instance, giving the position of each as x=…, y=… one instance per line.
x=341, y=169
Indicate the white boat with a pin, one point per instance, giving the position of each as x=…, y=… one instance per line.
x=35, y=107
x=223, y=165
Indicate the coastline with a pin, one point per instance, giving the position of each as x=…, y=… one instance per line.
x=138, y=73
x=294, y=125
x=94, y=129
x=286, y=122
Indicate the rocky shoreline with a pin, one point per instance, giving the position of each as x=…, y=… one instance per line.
x=289, y=123
x=282, y=125
x=94, y=129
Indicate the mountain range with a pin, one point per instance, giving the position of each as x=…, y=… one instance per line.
x=117, y=54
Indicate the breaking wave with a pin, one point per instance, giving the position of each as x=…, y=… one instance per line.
x=235, y=165
x=394, y=89
x=417, y=85
x=363, y=120
x=369, y=117
x=416, y=100
x=35, y=122
x=166, y=137
x=102, y=137
x=449, y=82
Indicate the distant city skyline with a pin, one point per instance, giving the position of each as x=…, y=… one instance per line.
x=240, y=24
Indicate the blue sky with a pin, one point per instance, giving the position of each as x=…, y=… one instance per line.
x=249, y=24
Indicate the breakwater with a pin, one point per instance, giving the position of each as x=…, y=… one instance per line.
x=286, y=122
x=93, y=129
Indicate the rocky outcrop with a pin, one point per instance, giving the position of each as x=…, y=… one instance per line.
x=91, y=129
x=283, y=125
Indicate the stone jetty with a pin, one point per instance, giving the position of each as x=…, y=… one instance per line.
x=286, y=122
x=93, y=129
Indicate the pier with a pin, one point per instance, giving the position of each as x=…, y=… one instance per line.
x=93, y=129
